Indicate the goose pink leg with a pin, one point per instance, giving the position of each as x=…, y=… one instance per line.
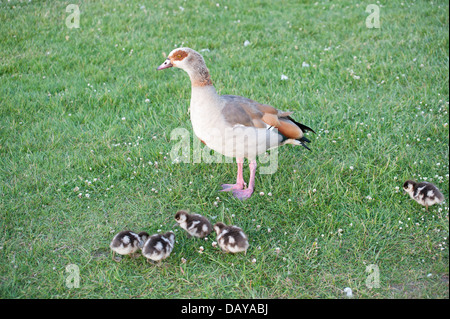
x=239, y=179
x=243, y=194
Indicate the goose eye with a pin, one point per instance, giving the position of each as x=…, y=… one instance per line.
x=179, y=55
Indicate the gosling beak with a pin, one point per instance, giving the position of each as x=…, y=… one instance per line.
x=165, y=65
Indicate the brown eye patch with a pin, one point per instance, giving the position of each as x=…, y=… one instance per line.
x=179, y=55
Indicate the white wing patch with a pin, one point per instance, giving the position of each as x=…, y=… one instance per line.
x=159, y=246
x=194, y=223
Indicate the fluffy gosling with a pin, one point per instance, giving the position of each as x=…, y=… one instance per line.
x=196, y=225
x=425, y=193
x=231, y=239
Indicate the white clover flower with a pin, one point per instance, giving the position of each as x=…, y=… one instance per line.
x=348, y=292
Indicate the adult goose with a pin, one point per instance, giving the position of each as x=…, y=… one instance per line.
x=232, y=125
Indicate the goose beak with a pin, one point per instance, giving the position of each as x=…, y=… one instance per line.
x=165, y=65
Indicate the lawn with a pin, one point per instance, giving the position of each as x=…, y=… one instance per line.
x=85, y=148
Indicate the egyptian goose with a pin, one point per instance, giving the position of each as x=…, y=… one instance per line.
x=158, y=246
x=127, y=243
x=425, y=193
x=232, y=125
x=196, y=225
x=231, y=239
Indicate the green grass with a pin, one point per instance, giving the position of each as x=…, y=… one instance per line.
x=73, y=114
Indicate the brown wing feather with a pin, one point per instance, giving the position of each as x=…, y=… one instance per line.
x=289, y=129
x=239, y=110
x=267, y=108
x=271, y=119
x=259, y=123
